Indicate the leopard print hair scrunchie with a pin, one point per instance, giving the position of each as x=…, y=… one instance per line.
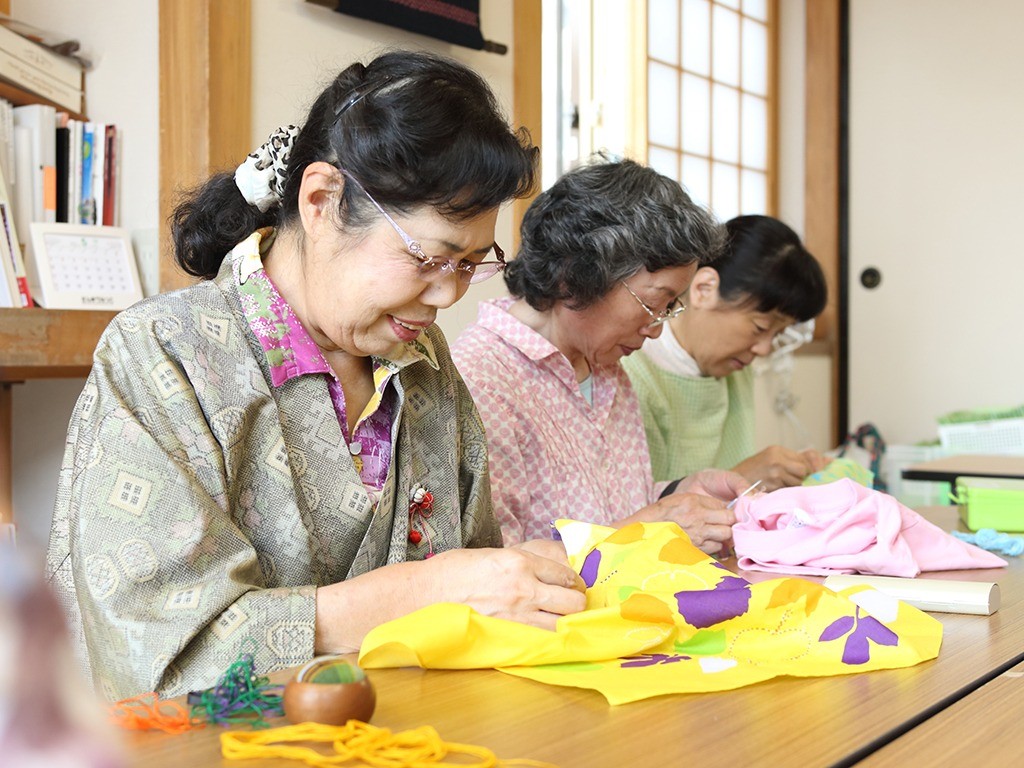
x=261, y=177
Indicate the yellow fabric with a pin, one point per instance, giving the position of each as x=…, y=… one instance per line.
x=662, y=617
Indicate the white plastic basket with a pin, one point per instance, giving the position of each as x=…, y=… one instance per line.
x=999, y=436
x=913, y=493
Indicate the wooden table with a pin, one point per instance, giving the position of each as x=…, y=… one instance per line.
x=786, y=721
x=978, y=729
x=949, y=468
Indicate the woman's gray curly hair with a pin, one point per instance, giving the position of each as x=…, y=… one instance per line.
x=602, y=223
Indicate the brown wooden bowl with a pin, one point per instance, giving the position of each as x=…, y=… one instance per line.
x=330, y=703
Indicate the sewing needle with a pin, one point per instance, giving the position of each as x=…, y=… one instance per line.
x=732, y=503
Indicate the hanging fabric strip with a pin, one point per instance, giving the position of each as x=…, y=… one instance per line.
x=454, y=21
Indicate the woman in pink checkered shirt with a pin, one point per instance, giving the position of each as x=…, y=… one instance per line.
x=606, y=253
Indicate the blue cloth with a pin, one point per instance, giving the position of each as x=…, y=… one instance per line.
x=993, y=541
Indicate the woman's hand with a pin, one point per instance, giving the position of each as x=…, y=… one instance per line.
x=704, y=518
x=509, y=583
x=512, y=583
x=549, y=548
x=718, y=483
x=779, y=467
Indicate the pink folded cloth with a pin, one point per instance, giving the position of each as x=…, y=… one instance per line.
x=843, y=527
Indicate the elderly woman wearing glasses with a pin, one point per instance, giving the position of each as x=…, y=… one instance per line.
x=606, y=254
x=695, y=384
x=281, y=457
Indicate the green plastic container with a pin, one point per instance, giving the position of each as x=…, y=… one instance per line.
x=991, y=502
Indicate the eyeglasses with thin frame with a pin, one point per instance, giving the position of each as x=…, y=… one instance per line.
x=432, y=267
x=657, y=318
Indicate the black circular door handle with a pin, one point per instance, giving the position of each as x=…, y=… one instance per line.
x=870, y=278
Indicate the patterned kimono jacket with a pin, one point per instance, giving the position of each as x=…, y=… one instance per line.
x=199, y=507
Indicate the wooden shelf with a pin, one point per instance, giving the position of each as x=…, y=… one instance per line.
x=48, y=343
x=40, y=344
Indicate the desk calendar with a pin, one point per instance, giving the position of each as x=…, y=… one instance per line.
x=72, y=266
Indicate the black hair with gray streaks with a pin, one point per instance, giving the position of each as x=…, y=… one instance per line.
x=600, y=224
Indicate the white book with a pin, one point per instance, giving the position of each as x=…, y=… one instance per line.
x=41, y=120
x=31, y=79
x=6, y=140
x=59, y=68
x=22, y=189
x=10, y=247
x=9, y=296
x=75, y=171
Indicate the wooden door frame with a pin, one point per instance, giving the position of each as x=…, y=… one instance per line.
x=822, y=188
x=205, y=102
x=526, y=88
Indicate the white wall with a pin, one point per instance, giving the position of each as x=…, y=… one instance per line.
x=936, y=185
x=121, y=37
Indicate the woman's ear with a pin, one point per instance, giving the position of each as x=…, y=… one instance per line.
x=703, y=292
x=321, y=188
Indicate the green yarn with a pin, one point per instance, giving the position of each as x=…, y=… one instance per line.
x=982, y=414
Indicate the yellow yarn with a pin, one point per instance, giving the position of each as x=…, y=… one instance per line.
x=357, y=743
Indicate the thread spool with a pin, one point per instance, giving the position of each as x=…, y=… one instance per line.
x=939, y=595
x=330, y=690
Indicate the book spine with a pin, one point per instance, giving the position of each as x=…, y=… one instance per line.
x=9, y=240
x=63, y=141
x=75, y=172
x=31, y=79
x=87, y=207
x=8, y=284
x=99, y=154
x=22, y=193
x=60, y=68
x=110, y=178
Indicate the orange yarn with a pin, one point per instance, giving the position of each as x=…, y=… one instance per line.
x=146, y=712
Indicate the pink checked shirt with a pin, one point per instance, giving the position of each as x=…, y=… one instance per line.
x=552, y=454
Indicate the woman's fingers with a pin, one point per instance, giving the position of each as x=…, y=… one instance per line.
x=553, y=573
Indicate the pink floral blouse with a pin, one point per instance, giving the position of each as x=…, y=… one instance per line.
x=292, y=352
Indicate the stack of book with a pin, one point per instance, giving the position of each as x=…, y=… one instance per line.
x=35, y=68
x=52, y=169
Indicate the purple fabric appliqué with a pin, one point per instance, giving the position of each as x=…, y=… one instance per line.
x=707, y=607
x=651, y=659
x=590, y=565
x=857, y=649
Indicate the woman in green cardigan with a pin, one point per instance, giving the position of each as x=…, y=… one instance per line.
x=694, y=381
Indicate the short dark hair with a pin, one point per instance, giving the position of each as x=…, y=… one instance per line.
x=412, y=128
x=602, y=223
x=765, y=264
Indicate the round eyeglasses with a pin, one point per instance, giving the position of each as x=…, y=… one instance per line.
x=435, y=266
x=674, y=309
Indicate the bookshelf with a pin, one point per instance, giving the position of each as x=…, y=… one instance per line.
x=38, y=343
x=205, y=111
